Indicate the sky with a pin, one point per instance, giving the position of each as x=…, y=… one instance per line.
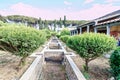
x=54, y=9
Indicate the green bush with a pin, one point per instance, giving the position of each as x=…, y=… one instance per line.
x=53, y=33
x=58, y=35
x=64, y=38
x=48, y=33
x=20, y=41
x=115, y=63
x=91, y=45
x=64, y=32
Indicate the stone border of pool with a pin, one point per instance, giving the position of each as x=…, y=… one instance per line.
x=34, y=72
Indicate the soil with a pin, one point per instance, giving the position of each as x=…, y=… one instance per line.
x=9, y=63
x=53, y=68
x=54, y=71
x=8, y=66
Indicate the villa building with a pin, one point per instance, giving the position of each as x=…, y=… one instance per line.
x=108, y=24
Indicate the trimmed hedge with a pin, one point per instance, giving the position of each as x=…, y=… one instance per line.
x=64, y=38
x=91, y=45
x=58, y=35
x=64, y=32
x=48, y=33
x=20, y=40
x=115, y=63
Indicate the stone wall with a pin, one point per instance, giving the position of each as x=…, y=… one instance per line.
x=34, y=72
x=72, y=71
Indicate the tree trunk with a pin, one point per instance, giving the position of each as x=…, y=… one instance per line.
x=86, y=65
x=21, y=63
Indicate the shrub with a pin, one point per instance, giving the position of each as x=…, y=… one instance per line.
x=58, y=35
x=48, y=33
x=90, y=45
x=64, y=32
x=64, y=38
x=115, y=63
x=20, y=41
x=53, y=33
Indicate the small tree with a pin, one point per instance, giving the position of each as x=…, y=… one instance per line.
x=90, y=45
x=115, y=63
x=20, y=41
x=46, y=24
x=55, y=24
x=65, y=32
x=64, y=38
x=64, y=21
x=40, y=23
x=60, y=23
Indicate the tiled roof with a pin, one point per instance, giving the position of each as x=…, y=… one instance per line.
x=115, y=13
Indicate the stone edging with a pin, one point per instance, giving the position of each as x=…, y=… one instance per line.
x=34, y=72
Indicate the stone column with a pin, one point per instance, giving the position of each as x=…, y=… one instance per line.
x=76, y=31
x=71, y=33
x=80, y=30
x=108, y=29
x=95, y=29
x=88, y=28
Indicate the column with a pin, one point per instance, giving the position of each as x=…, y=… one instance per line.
x=108, y=29
x=80, y=30
x=76, y=31
x=95, y=29
x=88, y=28
x=71, y=33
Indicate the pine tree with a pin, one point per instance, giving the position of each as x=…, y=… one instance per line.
x=46, y=24
x=60, y=22
x=55, y=24
x=64, y=21
x=40, y=23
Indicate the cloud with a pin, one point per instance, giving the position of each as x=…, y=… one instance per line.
x=97, y=10
x=88, y=1
x=67, y=3
x=111, y=1
x=28, y=10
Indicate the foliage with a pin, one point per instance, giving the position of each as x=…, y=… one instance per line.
x=64, y=38
x=64, y=21
x=46, y=24
x=91, y=45
x=86, y=75
x=60, y=23
x=23, y=19
x=2, y=18
x=40, y=22
x=53, y=33
x=76, y=22
x=20, y=40
x=31, y=21
x=58, y=35
x=115, y=63
x=48, y=33
x=118, y=77
x=65, y=32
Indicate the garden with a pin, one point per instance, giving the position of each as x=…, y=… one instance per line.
x=91, y=49
x=18, y=42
